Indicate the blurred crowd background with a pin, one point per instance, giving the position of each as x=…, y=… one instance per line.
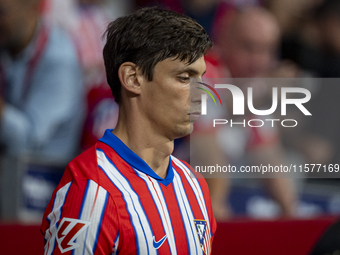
x=55, y=103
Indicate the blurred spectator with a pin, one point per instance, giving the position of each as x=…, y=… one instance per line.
x=41, y=102
x=311, y=31
x=246, y=47
x=327, y=17
x=299, y=33
x=291, y=15
x=320, y=144
x=86, y=21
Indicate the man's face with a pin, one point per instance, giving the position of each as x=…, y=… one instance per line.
x=251, y=48
x=166, y=100
x=13, y=15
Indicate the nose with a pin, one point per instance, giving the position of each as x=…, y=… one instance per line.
x=196, y=90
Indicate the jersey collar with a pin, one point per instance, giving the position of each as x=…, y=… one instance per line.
x=133, y=159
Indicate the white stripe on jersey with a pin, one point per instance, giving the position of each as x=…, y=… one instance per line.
x=187, y=215
x=139, y=220
x=162, y=208
x=54, y=217
x=196, y=187
x=92, y=210
x=198, y=193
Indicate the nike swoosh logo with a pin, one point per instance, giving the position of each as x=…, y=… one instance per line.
x=158, y=244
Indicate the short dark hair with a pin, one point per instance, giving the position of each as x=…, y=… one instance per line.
x=148, y=36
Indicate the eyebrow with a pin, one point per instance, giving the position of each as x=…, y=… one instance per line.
x=189, y=70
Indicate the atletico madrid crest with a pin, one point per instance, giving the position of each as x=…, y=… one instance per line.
x=203, y=237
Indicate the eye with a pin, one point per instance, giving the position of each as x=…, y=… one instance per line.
x=184, y=79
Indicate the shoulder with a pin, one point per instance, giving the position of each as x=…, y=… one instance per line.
x=87, y=164
x=84, y=165
x=101, y=164
x=81, y=183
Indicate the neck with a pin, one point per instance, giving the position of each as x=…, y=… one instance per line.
x=153, y=148
x=26, y=38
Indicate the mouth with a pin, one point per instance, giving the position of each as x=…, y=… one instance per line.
x=195, y=113
x=194, y=116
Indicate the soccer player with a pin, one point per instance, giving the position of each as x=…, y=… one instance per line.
x=127, y=194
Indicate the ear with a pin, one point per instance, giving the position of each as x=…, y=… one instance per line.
x=129, y=77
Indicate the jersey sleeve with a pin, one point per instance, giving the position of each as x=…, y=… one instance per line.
x=81, y=218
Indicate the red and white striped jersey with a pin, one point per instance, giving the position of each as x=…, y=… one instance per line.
x=110, y=201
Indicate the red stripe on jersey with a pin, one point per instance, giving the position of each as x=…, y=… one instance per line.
x=120, y=204
x=206, y=195
x=193, y=200
x=126, y=242
x=156, y=222
x=159, y=199
x=64, y=180
x=108, y=232
x=176, y=219
x=196, y=209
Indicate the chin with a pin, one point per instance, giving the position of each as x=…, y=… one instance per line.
x=184, y=131
x=191, y=128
